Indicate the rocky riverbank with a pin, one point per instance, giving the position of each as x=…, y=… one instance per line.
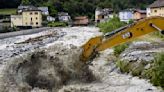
x=49, y=62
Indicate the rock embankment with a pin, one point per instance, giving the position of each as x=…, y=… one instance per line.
x=142, y=51
x=140, y=56
x=144, y=59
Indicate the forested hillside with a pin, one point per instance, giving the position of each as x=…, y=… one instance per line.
x=78, y=7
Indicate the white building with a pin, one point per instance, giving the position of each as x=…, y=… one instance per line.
x=126, y=15
x=44, y=10
x=50, y=18
x=102, y=15
x=64, y=17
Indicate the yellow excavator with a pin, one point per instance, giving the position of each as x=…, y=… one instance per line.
x=121, y=35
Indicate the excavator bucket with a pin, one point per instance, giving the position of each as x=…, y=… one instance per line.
x=89, y=48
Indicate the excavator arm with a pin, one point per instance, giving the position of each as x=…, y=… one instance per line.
x=121, y=35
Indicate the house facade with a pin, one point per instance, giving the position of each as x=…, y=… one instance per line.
x=139, y=14
x=156, y=9
x=28, y=17
x=64, y=17
x=32, y=18
x=126, y=15
x=81, y=21
x=102, y=15
x=16, y=20
x=44, y=10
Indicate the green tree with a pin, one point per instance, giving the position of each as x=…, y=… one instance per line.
x=79, y=7
x=111, y=25
x=25, y=2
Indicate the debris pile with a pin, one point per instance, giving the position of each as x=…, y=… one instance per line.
x=48, y=70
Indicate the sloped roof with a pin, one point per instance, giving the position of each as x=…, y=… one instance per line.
x=158, y=3
x=44, y=9
x=128, y=10
x=140, y=11
x=105, y=11
x=28, y=8
x=63, y=14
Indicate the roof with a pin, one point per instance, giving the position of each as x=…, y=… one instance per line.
x=140, y=11
x=127, y=10
x=63, y=14
x=158, y=3
x=81, y=17
x=22, y=7
x=28, y=8
x=44, y=9
x=105, y=11
x=81, y=20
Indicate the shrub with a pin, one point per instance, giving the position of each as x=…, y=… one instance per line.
x=133, y=67
x=111, y=25
x=119, y=49
x=155, y=73
x=158, y=34
x=158, y=71
x=124, y=67
x=57, y=24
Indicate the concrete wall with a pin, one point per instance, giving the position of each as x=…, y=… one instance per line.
x=23, y=32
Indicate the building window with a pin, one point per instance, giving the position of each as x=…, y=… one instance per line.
x=36, y=23
x=30, y=13
x=155, y=10
x=36, y=18
x=31, y=23
x=31, y=19
x=103, y=16
x=36, y=13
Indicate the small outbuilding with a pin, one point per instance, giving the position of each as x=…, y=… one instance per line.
x=81, y=21
x=139, y=14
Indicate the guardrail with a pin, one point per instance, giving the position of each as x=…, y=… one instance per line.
x=23, y=32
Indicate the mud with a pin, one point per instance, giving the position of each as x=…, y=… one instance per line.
x=45, y=70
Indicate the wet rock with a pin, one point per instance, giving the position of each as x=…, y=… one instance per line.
x=140, y=51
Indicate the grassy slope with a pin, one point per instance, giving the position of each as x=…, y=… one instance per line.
x=152, y=37
x=7, y=11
